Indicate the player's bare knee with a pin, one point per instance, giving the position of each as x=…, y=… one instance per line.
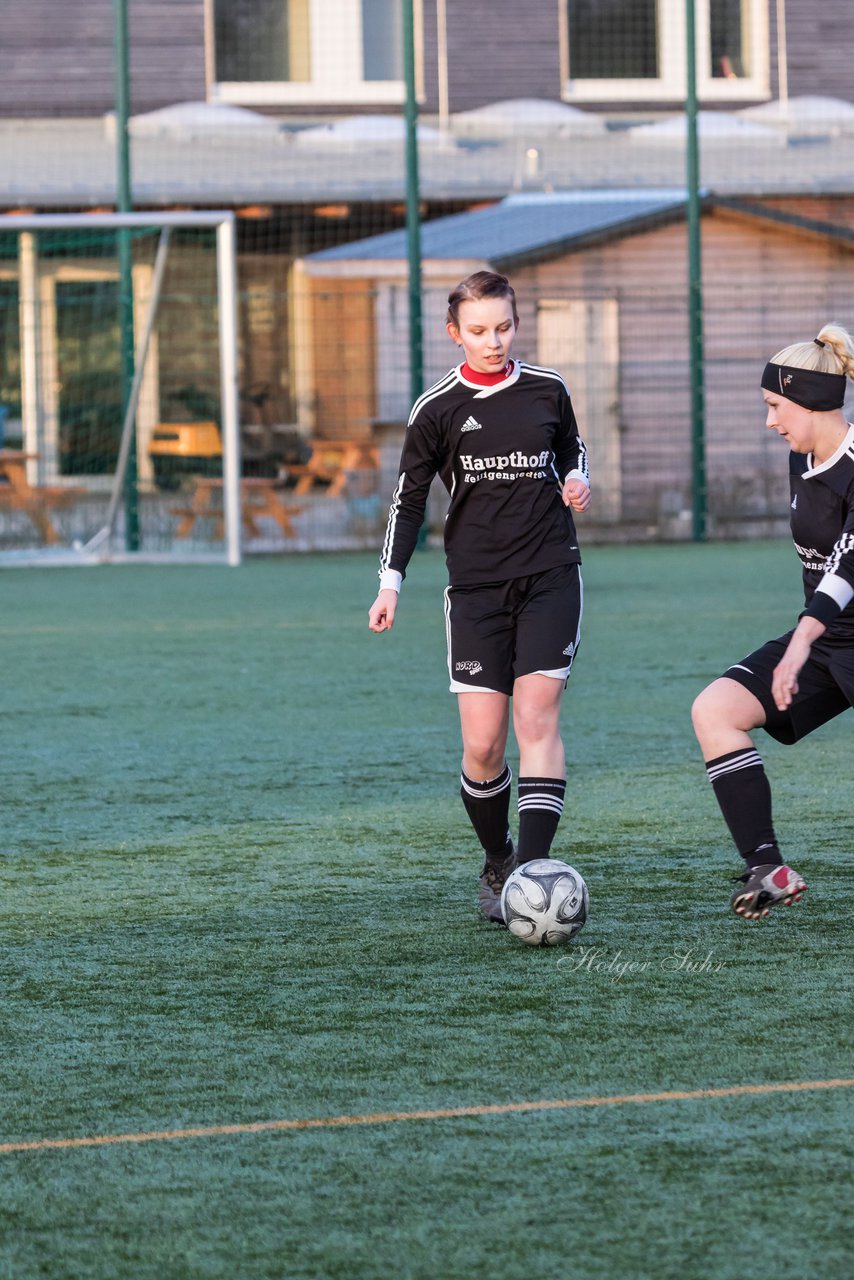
x=534, y=726
x=484, y=756
x=722, y=714
x=704, y=711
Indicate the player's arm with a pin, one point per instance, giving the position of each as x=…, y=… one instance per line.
x=784, y=682
x=571, y=458
x=419, y=462
x=836, y=589
x=834, y=593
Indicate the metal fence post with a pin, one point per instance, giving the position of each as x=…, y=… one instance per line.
x=124, y=204
x=699, y=501
x=413, y=208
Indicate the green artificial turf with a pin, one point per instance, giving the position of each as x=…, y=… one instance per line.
x=238, y=885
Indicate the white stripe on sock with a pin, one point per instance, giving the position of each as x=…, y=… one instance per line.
x=541, y=802
x=482, y=791
x=747, y=760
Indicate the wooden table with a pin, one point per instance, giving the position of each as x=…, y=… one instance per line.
x=330, y=462
x=258, y=497
x=36, y=501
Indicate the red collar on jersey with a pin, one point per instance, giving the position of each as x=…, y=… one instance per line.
x=485, y=379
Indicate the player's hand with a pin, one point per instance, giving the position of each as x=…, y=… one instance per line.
x=382, y=611
x=576, y=494
x=784, y=682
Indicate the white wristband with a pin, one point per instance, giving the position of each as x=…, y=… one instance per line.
x=390, y=580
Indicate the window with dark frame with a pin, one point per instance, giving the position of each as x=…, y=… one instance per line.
x=613, y=39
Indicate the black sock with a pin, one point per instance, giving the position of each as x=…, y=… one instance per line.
x=488, y=806
x=540, y=807
x=744, y=795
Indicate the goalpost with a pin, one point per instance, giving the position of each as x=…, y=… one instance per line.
x=112, y=450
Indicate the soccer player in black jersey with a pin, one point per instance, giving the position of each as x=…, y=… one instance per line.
x=502, y=436
x=793, y=684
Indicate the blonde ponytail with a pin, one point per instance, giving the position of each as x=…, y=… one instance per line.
x=831, y=351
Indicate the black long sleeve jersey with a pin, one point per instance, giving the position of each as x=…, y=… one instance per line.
x=822, y=523
x=502, y=452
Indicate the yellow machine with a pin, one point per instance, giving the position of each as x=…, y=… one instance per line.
x=181, y=449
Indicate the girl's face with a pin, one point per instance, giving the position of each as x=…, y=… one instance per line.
x=485, y=332
x=791, y=421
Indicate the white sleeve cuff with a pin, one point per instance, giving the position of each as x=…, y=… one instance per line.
x=837, y=588
x=390, y=580
x=576, y=475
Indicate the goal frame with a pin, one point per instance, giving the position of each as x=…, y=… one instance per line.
x=223, y=222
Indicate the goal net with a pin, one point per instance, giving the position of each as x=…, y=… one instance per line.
x=118, y=389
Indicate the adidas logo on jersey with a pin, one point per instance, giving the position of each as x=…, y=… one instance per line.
x=471, y=424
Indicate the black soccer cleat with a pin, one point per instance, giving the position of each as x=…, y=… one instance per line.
x=766, y=887
x=492, y=879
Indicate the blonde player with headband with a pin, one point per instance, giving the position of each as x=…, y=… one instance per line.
x=794, y=684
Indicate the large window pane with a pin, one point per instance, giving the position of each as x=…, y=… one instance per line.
x=382, y=36
x=613, y=39
x=726, y=24
x=262, y=40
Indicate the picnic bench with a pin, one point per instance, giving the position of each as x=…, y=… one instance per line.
x=331, y=463
x=259, y=496
x=38, y=502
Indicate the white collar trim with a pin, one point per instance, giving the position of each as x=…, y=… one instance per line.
x=846, y=446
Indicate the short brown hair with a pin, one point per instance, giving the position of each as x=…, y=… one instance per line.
x=483, y=284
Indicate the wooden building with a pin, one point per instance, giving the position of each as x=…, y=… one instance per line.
x=601, y=279
x=344, y=55
x=226, y=113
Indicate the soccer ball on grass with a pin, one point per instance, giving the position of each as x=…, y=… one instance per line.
x=544, y=902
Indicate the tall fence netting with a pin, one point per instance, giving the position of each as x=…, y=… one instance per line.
x=556, y=154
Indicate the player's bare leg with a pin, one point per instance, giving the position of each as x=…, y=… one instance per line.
x=484, y=721
x=536, y=723
x=724, y=715
x=542, y=762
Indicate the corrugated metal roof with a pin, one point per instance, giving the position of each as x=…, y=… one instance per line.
x=518, y=228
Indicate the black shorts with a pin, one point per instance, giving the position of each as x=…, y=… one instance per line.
x=825, y=686
x=502, y=630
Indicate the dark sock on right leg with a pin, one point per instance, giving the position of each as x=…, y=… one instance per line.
x=488, y=807
x=742, y=790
